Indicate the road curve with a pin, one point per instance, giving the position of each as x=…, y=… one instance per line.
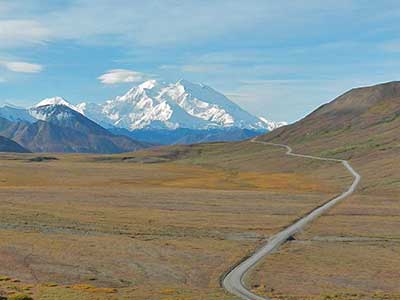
x=233, y=282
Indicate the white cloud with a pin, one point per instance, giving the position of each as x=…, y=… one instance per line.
x=121, y=76
x=22, y=67
x=22, y=33
x=172, y=22
x=154, y=22
x=136, y=23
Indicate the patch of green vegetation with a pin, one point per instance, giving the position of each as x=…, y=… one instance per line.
x=51, y=284
x=5, y=278
x=391, y=118
x=367, y=145
x=42, y=159
x=339, y=150
x=317, y=134
x=20, y=297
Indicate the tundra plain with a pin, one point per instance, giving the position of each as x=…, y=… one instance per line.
x=159, y=224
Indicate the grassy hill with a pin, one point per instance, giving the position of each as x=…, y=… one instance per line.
x=362, y=125
x=352, y=251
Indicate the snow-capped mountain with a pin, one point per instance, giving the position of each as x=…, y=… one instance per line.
x=271, y=125
x=159, y=105
x=45, y=109
x=58, y=126
x=153, y=112
x=41, y=111
x=16, y=114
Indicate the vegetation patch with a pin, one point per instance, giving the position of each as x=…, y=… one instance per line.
x=42, y=159
x=20, y=297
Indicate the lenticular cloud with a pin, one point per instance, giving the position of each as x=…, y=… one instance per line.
x=121, y=76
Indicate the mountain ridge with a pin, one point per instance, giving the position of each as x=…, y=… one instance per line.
x=62, y=129
x=362, y=126
x=359, y=109
x=161, y=105
x=8, y=145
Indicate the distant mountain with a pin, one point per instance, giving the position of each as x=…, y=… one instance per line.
x=16, y=114
x=62, y=129
x=156, y=112
x=52, y=102
x=272, y=125
x=158, y=105
x=187, y=136
x=63, y=114
x=7, y=145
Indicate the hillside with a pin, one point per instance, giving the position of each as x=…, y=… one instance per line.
x=362, y=125
x=7, y=145
x=363, y=119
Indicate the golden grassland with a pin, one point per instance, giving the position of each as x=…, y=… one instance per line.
x=166, y=223
x=161, y=224
x=353, y=251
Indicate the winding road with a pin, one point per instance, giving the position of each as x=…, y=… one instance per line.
x=233, y=282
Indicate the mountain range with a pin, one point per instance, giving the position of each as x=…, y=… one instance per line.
x=152, y=113
x=160, y=105
x=59, y=128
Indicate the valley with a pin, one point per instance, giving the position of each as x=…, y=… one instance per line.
x=199, y=150
x=169, y=222
x=153, y=230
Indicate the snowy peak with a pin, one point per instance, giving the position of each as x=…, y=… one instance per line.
x=148, y=85
x=271, y=125
x=53, y=101
x=155, y=104
x=57, y=101
x=51, y=108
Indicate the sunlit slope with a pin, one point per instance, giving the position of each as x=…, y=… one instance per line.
x=362, y=125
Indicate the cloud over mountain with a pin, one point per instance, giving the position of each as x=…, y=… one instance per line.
x=121, y=76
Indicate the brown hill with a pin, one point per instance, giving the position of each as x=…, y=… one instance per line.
x=362, y=125
x=365, y=114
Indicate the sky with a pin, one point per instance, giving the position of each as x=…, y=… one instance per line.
x=276, y=59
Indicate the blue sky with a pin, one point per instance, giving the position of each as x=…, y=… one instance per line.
x=278, y=59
